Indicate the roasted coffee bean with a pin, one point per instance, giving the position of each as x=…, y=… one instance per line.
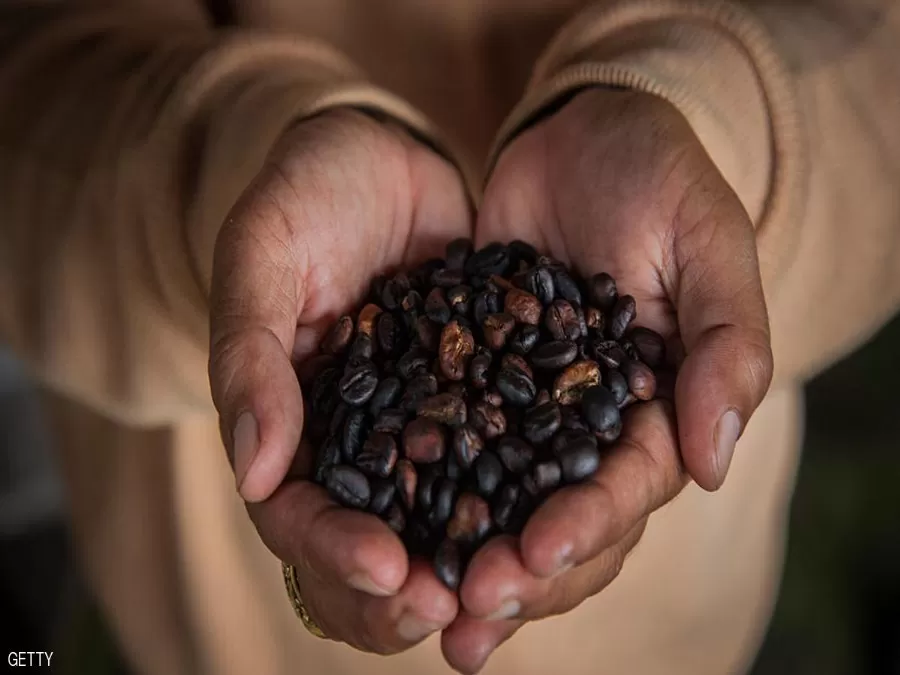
x=329, y=455
x=539, y=282
x=524, y=339
x=416, y=359
x=426, y=489
x=543, y=478
x=392, y=294
x=523, y=307
x=630, y=399
x=609, y=353
x=353, y=434
x=485, y=304
x=497, y=329
x=423, y=441
x=379, y=455
x=566, y=437
x=578, y=461
x=452, y=469
x=436, y=306
x=383, y=491
x=411, y=302
x=387, y=334
x=467, y=445
x=617, y=384
x=365, y=323
x=419, y=388
x=516, y=362
x=541, y=423
x=516, y=387
x=387, y=393
x=641, y=380
x=571, y=419
x=513, y=415
x=471, y=519
x=361, y=349
x=621, y=317
x=504, y=504
x=348, y=486
x=446, y=408
x=562, y=321
x=324, y=395
x=443, y=502
x=427, y=333
x=602, y=291
x=395, y=518
x=420, y=277
x=338, y=417
x=447, y=278
x=594, y=320
x=492, y=259
x=488, y=472
x=522, y=252
x=456, y=348
x=493, y=397
x=543, y=396
x=554, y=355
x=650, y=346
x=457, y=252
x=599, y=407
x=390, y=421
x=611, y=435
x=582, y=322
x=310, y=369
x=570, y=384
x=478, y=370
x=515, y=454
x=566, y=288
x=338, y=338
x=487, y=419
x=448, y=565
x=460, y=298
x=406, y=480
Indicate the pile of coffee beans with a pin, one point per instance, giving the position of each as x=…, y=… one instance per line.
x=471, y=388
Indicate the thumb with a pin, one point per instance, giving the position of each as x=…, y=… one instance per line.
x=254, y=308
x=724, y=326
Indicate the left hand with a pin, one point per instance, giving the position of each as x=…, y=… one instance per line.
x=618, y=182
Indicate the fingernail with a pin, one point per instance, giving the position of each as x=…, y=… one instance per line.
x=246, y=443
x=564, y=566
x=563, y=560
x=727, y=433
x=508, y=610
x=412, y=629
x=363, y=582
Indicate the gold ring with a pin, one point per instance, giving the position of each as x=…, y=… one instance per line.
x=290, y=583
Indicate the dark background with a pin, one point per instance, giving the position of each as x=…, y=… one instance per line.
x=839, y=608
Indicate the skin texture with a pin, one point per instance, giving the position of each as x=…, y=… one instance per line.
x=614, y=182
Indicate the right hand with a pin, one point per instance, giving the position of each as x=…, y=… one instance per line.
x=341, y=198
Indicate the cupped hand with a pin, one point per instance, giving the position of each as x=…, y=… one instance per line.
x=617, y=182
x=341, y=198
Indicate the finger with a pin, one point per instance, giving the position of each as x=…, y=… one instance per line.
x=724, y=326
x=641, y=472
x=468, y=642
x=333, y=545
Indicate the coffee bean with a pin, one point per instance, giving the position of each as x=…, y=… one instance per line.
x=566, y=288
x=460, y=298
x=617, y=384
x=516, y=387
x=382, y=495
x=566, y=437
x=324, y=394
x=436, y=306
x=578, y=461
x=423, y=441
x=456, y=348
x=602, y=291
x=338, y=338
x=478, y=370
x=492, y=259
x=539, y=282
x=406, y=480
x=650, y=345
x=522, y=252
x=348, y=486
x=542, y=422
x=361, y=349
x=562, y=321
x=599, y=407
x=418, y=389
x=487, y=419
x=493, y=397
x=504, y=504
x=444, y=499
x=571, y=419
x=365, y=323
x=467, y=445
x=426, y=489
x=609, y=353
x=395, y=518
x=390, y=421
x=416, y=359
x=420, y=277
x=641, y=380
x=329, y=455
x=523, y=307
x=447, y=409
x=524, y=339
x=516, y=362
x=545, y=476
x=379, y=455
x=554, y=355
x=387, y=333
x=353, y=434
x=447, y=278
x=621, y=317
x=570, y=384
x=411, y=302
x=515, y=454
x=611, y=435
x=497, y=329
x=386, y=394
x=594, y=320
x=488, y=472
x=447, y=564
x=471, y=519
x=457, y=252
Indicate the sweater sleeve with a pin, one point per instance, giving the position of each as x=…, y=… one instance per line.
x=793, y=102
x=126, y=138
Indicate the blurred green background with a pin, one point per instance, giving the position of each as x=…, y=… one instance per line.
x=839, y=608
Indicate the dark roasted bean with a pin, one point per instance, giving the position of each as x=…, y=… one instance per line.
x=594, y=320
x=523, y=307
x=412, y=302
x=492, y=259
x=460, y=298
x=562, y=321
x=338, y=417
x=617, y=384
x=338, y=338
x=579, y=460
x=390, y=421
x=386, y=394
x=568, y=387
x=420, y=277
x=452, y=468
x=478, y=370
x=488, y=472
x=524, y=339
x=485, y=304
x=611, y=435
x=564, y=438
x=641, y=380
x=467, y=445
x=602, y=291
x=353, y=434
x=516, y=387
x=539, y=282
x=447, y=278
x=457, y=252
x=609, y=353
x=406, y=480
x=522, y=252
x=444, y=498
x=427, y=333
x=543, y=478
x=471, y=519
x=324, y=395
x=423, y=441
x=599, y=407
x=383, y=491
x=348, y=486
x=497, y=329
x=329, y=455
x=566, y=288
x=487, y=419
x=515, y=454
x=448, y=565
x=493, y=397
x=449, y=409
x=426, y=489
x=387, y=333
x=456, y=348
x=395, y=518
x=504, y=504
x=541, y=423
x=516, y=362
x=650, y=345
x=379, y=455
x=621, y=317
x=436, y=306
x=572, y=420
x=362, y=348
x=411, y=362
x=554, y=355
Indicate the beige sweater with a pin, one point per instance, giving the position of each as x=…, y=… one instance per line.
x=128, y=128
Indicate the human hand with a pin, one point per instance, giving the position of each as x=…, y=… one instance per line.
x=617, y=182
x=341, y=197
